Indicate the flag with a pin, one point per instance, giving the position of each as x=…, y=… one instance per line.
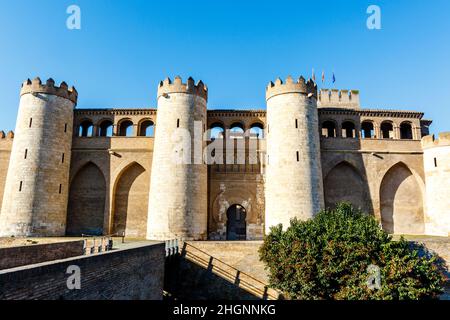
x=334, y=78
x=323, y=76
x=313, y=76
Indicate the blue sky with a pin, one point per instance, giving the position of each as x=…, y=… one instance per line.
x=126, y=47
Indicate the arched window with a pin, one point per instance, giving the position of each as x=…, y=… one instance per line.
x=387, y=130
x=348, y=130
x=406, y=130
x=217, y=131
x=329, y=129
x=367, y=131
x=126, y=128
x=237, y=130
x=147, y=129
x=86, y=129
x=105, y=129
x=257, y=131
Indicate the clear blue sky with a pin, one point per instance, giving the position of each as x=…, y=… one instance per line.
x=126, y=47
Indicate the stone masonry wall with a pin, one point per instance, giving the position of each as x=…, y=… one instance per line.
x=25, y=255
x=36, y=191
x=437, y=177
x=135, y=273
x=294, y=177
x=178, y=191
x=5, y=152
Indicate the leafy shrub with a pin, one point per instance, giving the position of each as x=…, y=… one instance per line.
x=328, y=257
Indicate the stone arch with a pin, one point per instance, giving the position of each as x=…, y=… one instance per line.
x=401, y=201
x=406, y=130
x=105, y=127
x=329, y=128
x=125, y=127
x=257, y=130
x=146, y=128
x=236, y=222
x=344, y=182
x=130, y=201
x=85, y=128
x=387, y=128
x=367, y=129
x=217, y=130
x=348, y=128
x=237, y=125
x=86, y=206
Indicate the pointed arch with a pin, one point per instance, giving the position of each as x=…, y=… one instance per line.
x=86, y=206
x=401, y=201
x=130, y=201
x=344, y=182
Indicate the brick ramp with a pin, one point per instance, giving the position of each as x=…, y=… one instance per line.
x=236, y=262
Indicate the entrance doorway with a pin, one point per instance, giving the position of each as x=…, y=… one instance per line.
x=236, y=225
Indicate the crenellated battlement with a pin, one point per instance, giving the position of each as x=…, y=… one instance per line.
x=177, y=86
x=9, y=135
x=430, y=141
x=291, y=86
x=338, y=98
x=36, y=86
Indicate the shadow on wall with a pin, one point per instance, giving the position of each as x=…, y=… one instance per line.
x=195, y=275
x=87, y=198
x=344, y=174
x=401, y=202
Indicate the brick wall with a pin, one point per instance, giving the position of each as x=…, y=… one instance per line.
x=25, y=255
x=133, y=273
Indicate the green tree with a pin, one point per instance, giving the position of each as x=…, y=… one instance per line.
x=328, y=257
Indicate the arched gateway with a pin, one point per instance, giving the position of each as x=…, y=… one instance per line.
x=236, y=223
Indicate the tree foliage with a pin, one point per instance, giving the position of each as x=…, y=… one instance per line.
x=328, y=257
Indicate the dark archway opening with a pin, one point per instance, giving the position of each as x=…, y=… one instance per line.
x=236, y=223
x=105, y=129
x=329, y=129
x=406, y=131
x=387, y=130
x=367, y=130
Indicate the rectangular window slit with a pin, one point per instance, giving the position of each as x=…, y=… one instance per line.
x=60, y=188
x=298, y=156
x=20, y=186
x=296, y=123
x=178, y=123
x=65, y=127
x=435, y=162
x=62, y=160
x=31, y=122
x=26, y=153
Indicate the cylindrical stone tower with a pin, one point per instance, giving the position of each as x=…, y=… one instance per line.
x=36, y=189
x=178, y=187
x=436, y=157
x=294, y=186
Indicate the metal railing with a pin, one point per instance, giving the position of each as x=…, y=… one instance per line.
x=97, y=244
x=230, y=273
x=172, y=247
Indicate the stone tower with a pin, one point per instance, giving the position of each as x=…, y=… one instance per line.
x=294, y=186
x=178, y=186
x=436, y=157
x=36, y=189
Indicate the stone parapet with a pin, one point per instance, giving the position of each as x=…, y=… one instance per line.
x=36, y=86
